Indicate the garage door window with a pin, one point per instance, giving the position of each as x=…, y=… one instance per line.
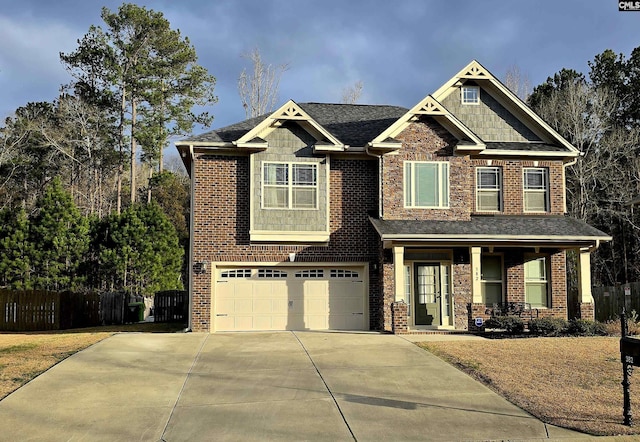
x=340, y=273
x=270, y=273
x=236, y=273
x=311, y=273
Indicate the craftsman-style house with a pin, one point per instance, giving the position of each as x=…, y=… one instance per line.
x=362, y=217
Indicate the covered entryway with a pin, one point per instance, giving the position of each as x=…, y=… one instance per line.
x=290, y=298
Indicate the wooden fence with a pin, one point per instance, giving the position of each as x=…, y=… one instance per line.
x=171, y=306
x=114, y=307
x=32, y=310
x=608, y=300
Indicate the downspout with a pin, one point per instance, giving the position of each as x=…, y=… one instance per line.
x=564, y=179
x=191, y=230
x=594, y=247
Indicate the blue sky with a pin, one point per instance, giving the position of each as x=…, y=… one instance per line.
x=401, y=50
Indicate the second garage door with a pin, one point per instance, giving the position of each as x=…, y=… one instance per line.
x=290, y=298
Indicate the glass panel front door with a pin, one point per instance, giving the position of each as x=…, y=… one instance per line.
x=427, y=302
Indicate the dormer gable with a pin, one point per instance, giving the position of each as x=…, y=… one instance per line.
x=290, y=111
x=429, y=106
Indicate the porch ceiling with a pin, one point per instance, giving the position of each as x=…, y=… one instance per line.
x=555, y=231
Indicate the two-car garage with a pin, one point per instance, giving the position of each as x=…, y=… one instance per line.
x=284, y=297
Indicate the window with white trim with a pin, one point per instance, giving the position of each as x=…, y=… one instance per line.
x=426, y=184
x=289, y=185
x=536, y=283
x=489, y=189
x=470, y=95
x=491, y=279
x=536, y=189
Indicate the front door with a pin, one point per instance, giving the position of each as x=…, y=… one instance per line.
x=427, y=300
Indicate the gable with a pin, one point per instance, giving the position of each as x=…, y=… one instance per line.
x=489, y=119
x=519, y=123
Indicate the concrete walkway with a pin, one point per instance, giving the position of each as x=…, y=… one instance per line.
x=261, y=386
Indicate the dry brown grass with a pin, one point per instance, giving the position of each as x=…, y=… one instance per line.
x=569, y=382
x=23, y=356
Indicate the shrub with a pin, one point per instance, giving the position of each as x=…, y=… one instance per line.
x=584, y=327
x=510, y=324
x=578, y=327
x=548, y=326
x=599, y=329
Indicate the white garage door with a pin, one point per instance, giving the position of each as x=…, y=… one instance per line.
x=290, y=298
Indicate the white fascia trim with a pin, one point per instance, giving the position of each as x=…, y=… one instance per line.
x=206, y=144
x=493, y=238
x=253, y=146
x=525, y=153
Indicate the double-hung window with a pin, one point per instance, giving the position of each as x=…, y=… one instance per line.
x=536, y=189
x=491, y=278
x=426, y=184
x=489, y=189
x=536, y=282
x=289, y=185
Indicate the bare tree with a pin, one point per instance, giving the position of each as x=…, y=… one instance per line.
x=259, y=89
x=351, y=94
x=518, y=83
x=606, y=175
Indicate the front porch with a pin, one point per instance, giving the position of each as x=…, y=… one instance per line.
x=450, y=289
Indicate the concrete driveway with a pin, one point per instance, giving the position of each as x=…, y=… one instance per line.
x=261, y=386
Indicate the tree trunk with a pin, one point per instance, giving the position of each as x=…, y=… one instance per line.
x=123, y=106
x=133, y=151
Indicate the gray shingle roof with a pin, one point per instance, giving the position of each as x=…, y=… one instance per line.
x=535, y=147
x=353, y=124
x=523, y=228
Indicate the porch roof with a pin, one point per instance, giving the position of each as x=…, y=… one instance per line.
x=554, y=231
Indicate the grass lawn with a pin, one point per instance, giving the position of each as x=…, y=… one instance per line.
x=23, y=356
x=569, y=382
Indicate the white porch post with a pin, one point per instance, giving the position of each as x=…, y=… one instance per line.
x=476, y=285
x=584, y=276
x=398, y=270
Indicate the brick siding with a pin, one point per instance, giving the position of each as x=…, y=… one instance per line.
x=221, y=225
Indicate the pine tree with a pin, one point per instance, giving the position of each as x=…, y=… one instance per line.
x=15, y=250
x=59, y=235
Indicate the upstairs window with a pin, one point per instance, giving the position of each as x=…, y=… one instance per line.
x=426, y=184
x=470, y=95
x=489, y=189
x=536, y=189
x=289, y=185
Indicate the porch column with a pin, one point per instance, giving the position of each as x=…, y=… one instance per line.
x=584, y=276
x=398, y=269
x=586, y=303
x=476, y=285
